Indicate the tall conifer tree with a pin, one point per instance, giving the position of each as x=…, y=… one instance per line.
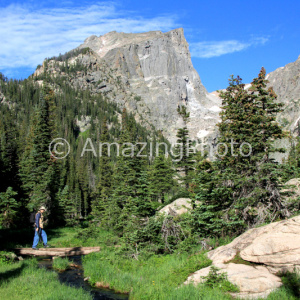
x=185, y=161
x=243, y=188
x=103, y=187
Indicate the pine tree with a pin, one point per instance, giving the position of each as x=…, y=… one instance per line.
x=291, y=168
x=207, y=216
x=127, y=174
x=35, y=171
x=9, y=153
x=8, y=208
x=184, y=151
x=67, y=209
x=161, y=176
x=244, y=182
x=103, y=188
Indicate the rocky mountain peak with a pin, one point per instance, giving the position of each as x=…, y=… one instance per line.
x=157, y=67
x=102, y=44
x=149, y=73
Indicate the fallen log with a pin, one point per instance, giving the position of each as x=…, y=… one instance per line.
x=57, y=251
x=66, y=248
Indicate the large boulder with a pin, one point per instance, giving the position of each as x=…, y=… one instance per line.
x=277, y=245
x=271, y=248
x=253, y=281
x=177, y=207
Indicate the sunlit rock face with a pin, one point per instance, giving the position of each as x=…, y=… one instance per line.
x=157, y=68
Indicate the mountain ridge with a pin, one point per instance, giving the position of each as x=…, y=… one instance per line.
x=151, y=74
x=158, y=66
x=156, y=75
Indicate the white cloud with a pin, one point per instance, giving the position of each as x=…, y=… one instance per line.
x=28, y=35
x=218, y=48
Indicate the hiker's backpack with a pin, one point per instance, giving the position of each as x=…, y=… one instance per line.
x=32, y=218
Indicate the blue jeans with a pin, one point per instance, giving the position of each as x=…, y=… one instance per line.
x=41, y=232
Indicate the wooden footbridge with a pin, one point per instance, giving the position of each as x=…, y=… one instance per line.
x=56, y=251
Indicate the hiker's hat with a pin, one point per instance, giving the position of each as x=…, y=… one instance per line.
x=43, y=207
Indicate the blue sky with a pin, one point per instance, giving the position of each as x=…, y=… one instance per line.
x=225, y=37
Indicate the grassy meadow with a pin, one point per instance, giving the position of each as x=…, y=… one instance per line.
x=26, y=281
x=142, y=276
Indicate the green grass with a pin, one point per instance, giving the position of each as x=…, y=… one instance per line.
x=63, y=237
x=283, y=293
x=291, y=282
x=154, y=278
x=61, y=264
x=25, y=280
x=238, y=260
x=77, y=237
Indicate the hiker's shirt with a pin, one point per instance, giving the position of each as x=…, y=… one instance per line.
x=39, y=220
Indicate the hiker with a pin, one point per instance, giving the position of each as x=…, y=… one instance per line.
x=39, y=229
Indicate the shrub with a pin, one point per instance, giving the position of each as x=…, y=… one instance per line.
x=219, y=280
x=7, y=257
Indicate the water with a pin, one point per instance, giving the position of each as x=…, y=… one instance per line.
x=74, y=277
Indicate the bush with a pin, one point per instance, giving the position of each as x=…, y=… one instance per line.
x=87, y=233
x=137, y=98
x=219, y=280
x=7, y=257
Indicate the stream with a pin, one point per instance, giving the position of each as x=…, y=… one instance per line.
x=74, y=277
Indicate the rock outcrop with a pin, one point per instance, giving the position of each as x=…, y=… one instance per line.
x=269, y=249
x=177, y=207
x=84, y=123
x=253, y=282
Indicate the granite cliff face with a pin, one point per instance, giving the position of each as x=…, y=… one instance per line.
x=286, y=84
x=157, y=68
